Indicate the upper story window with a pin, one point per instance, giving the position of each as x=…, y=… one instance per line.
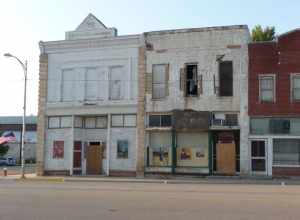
x=117, y=83
x=123, y=120
x=191, y=80
x=267, y=88
x=295, y=87
x=60, y=122
x=95, y=122
x=226, y=78
x=160, y=121
x=160, y=81
x=67, y=85
x=91, y=91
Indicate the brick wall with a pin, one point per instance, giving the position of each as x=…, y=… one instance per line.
x=280, y=58
x=286, y=171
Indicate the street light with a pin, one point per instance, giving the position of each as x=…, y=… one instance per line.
x=24, y=66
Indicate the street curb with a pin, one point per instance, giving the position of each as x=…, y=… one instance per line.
x=43, y=179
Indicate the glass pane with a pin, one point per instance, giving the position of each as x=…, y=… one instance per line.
x=101, y=122
x=258, y=164
x=154, y=120
x=267, y=83
x=160, y=149
x=129, y=120
x=91, y=84
x=67, y=87
x=53, y=122
x=117, y=78
x=258, y=148
x=296, y=93
x=267, y=95
x=159, y=91
x=296, y=82
x=122, y=149
x=66, y=122
x=286, y=151
x=192, y=149
x=166, y=120
x=159, y=73
x=259, y=125
x=90, y=122
x=117, y=120
x=78, y=122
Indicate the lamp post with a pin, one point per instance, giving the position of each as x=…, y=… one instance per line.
x=24, y=66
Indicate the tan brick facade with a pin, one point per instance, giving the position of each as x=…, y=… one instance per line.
x=43, y=76
x=141, y=112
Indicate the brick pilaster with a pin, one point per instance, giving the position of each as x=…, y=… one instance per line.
x=41, y=124
x=141, y=112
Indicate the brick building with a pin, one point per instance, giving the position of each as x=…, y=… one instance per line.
x=274, y=106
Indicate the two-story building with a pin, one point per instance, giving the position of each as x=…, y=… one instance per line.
x=274, y=106
x=193, y=100
x=88, y=102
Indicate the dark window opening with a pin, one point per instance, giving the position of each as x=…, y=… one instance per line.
x=226, y=78
x=160, y=121
x=191, y=80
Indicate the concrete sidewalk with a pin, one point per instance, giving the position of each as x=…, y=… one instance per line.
x=159, y=180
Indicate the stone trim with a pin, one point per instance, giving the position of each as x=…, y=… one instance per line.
x=42, y=120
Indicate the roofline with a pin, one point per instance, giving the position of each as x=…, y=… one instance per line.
x=289, y=32
x=90, y=14
x=201, y=29
x=263, y=42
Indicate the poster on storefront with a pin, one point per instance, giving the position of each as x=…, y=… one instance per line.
x=58, y=149
x=160, y=157
x=185, y=153
x=200, y=153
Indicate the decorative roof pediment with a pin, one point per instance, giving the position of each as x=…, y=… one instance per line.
x=91, y=27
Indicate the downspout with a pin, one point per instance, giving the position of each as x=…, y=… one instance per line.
x=108, y=144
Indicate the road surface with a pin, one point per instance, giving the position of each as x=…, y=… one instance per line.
x=143, y=201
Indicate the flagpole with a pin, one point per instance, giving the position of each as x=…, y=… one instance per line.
x=24, y=66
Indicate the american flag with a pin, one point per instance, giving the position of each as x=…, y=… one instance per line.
x=7, y=137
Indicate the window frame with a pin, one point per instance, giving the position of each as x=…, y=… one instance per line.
x=260, y=78
x=118, y=156
x=160, y=120
x=123, y=84
x=186, y=79
x=292, y=76
x=123, y=121
x=59, y=126
x=165, y=82
x=232, y=79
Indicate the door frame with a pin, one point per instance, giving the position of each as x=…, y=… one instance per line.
x=266, y=157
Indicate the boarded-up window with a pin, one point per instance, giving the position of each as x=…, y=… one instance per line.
x=53, y=122
x=101, y=122
x=91, y=86
x=117, y=83
x=90, y=122
x=129, y=120
x=267, y=88
x=78, y=122
x=66, y=122
x=226, y=78
x=117, y=120
x=67, y=85
x=58, y=149
x=296, y=87
x=77, y=155
x=159, y=81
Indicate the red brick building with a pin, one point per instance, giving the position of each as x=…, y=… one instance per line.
x=274, y=106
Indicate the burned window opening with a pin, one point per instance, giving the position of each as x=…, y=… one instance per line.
x=226, y=78
x=191, y=80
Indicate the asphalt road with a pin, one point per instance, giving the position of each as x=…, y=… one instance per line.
x=143, y=201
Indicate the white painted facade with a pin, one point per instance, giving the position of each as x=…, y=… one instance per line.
x=91, y=73
x=203, y=46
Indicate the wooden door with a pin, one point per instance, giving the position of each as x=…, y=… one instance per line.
x=226, y=155
x=94, y=159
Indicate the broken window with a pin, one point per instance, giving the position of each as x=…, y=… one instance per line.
x=226, y=78
x=191, y=80
x=117, y=87
x=159, y=81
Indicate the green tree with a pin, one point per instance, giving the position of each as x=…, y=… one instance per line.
x=263, y=34
x=3, y=148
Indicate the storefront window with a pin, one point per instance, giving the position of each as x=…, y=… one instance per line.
x=192, y=150
x=286, y=152
x=160, y=149
x=287, y=126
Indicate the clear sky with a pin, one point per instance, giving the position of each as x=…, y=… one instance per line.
x=24, y=23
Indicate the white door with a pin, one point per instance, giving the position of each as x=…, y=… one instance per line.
x=258, y=162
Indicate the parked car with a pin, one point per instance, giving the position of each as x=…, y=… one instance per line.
x=7, y=161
